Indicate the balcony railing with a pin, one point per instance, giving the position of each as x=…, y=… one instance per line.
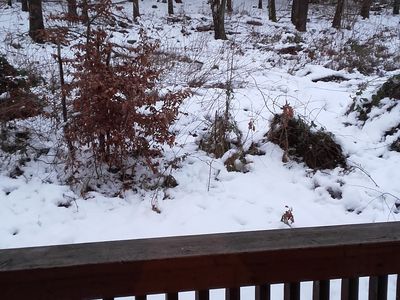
x=203, y=262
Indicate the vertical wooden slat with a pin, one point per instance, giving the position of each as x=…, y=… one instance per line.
x=263, y=292
x=202, y=295
x=141, y=297
x=321, y=290
x=291, y=291
x=232, y=294
x=171, y=296
x=378, y=286
x=398, y=287
x=349, y=289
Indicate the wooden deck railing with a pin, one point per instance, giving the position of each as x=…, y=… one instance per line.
x=199, y=263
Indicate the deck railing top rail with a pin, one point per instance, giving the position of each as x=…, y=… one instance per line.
x=146, y=266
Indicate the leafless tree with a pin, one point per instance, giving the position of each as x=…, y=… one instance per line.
x=337, y=19
x=301, y=15
x=229, y=8
x=24, y=5
x=365, y=7
x=218, y=13
x=396, y=7
x=72, y=8
x=170, y=7
x=136, y=12
x=36, y=25
x=271, y=10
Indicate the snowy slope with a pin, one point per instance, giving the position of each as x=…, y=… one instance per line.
x=208, y=198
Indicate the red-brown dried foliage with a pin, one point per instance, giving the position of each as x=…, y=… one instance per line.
x=118, y=111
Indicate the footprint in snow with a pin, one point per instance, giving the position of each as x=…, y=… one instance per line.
x=240, y=220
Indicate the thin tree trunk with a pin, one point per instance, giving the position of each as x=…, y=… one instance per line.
x=72, y=8
x=260, y=6
x=24, y=5
x=36, y=25
x=170, y=7
x=302, y=11
x=271, y=10
x=229, y=8
x=62, y=83
x=295, y=8
x=85, y=11
x=64, y=99
x=9, y=2
x=136, y=12
x=337, y=19
x=365, y=7
x=218, y=12
x=396, y=7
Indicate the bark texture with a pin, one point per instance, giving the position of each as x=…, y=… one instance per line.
x=302, y=12
x=337, y=19
x=294, y=13
x=170, y=7
x=24, y=5
x=218, y=13
x=36, y=25
x=365, y=7
x=271, y=10
x=229, y=7
x=72, y=8
x=136, y=12
x=396, y=7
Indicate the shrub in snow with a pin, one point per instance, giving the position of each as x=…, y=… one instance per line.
x=383, y=101
x=16, y=99
x=119, y=114
x=316, y=148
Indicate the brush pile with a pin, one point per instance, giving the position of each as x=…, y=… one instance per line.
x=317, y=149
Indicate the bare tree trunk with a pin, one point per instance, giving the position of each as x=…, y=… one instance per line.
x=396, y=7
x=260, y=6
x=170, y=7
x=24, y=5
x=295, y=8
x=36, y=20
x=218, y=12
x=271, y=10
x=136, y=12
x=365, y=7
x=72, y=8
x=85, y=11
x=229, y=8
x=302, y=11
x=178, y=1
x=337, y=19
x=64, y=99
x=9, y=2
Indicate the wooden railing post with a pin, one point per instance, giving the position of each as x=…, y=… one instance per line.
x=291, y=291
x=171, y=296
x=321, y=290
x=378, y=287
x=232, y=294
x=263, y=292
x=202, y=295
x=349, y=289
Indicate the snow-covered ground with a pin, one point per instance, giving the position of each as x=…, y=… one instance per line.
x=210, y=199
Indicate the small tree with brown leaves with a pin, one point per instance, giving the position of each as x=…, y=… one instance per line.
x=118, y=115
